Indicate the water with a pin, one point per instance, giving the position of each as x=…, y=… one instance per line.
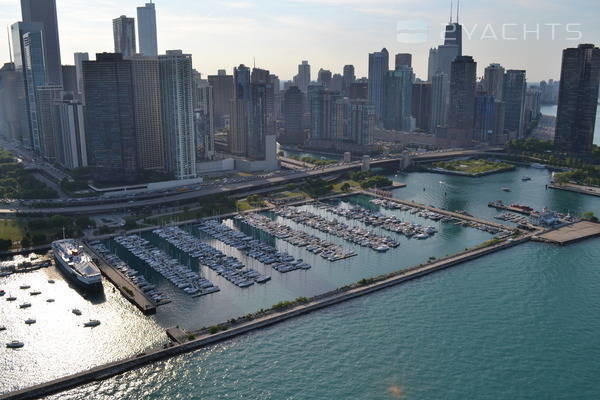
x=553, y=109
x=518, y=324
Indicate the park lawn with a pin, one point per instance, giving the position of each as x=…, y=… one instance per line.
x=11, y=229
x=338, y=186
x=244, y=205
x=288, y=195
x=474, y=166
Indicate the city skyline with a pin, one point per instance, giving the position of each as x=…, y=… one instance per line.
x=222, y=35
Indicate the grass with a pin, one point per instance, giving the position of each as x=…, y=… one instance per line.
x=473, y=166
x=353, y=185
x=11, y=229
x=243, y=205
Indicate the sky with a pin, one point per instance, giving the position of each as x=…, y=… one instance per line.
x=278, y=34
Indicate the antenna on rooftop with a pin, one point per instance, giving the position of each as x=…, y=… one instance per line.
x=457, y=12
x=9, y=47
x=451, y=10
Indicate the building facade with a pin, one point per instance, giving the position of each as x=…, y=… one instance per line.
x=147, y=35
x=124, y=36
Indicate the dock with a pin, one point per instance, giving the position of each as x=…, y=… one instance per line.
x=501, y=206
x=130, y=291
x=571, y=233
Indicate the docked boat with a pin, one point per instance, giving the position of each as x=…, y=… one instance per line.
x=15, y=344
x=25, y=305
x=35, y=293
x=51, y=281
x=11, y=298
x=2, y=328
x=76, y=312
x=92, y=323
x=24, y=287
x=30, y=321
x=50, y=301
x=77, y=263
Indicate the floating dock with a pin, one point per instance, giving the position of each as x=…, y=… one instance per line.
x=571, y=233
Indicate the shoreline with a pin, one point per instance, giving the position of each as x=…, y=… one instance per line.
x=342, y=295
x=587, y=190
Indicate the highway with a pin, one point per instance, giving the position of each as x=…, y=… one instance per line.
x=115, y=205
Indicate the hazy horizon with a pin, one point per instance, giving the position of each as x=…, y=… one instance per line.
x=329, y=33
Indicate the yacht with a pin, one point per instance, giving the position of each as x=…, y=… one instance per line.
x=35, y=293
x=50, y=301
x=25, y=305
x=11, y=298
x=24, y=287
x=15, y=344
x=92, y=323
x=76, y=262
x=2, y=328
x=76, y=311
x=506, y=189
x=526, y=178
x=30, y=321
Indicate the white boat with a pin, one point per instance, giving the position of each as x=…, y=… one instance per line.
x=76, y=262
x=76, y=311
x=91, y=323
x=525, y=178
x=15, y=344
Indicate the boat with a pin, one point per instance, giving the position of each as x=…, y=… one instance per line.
x=50, y=301
x=72, y=258
x=525, y=178
x=15, y=344
x=30, y=321
x=2, y=328
x=51, y=281
x=35, y=293
x=538, y=166
x=76, y=311
x=506, y=189
x=24, y=287
x=92, y=323
x=25, y=305
x=11, y=298
x=2, y=293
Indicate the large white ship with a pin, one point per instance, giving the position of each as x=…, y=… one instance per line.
x=75, y=261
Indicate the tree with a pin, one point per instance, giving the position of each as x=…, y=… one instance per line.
x=589, y=216
x=345, y=187
x=25, y=242
x=5, y=244
x=38, y=239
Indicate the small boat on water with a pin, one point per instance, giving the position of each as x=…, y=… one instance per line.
x=50, y=280
x=50, y=301
x=25, y=305
x=24, y=287
x=35, y=293
x=2, y=328
x=11, y=298
x=76, y=311
x=15, y=344
x=506, y=189
x=525, y=178
x=30, y=321
x=92, y=323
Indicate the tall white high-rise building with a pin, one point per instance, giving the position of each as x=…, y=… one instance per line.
x=147, y=30
x=79, y=59
x=176, y=92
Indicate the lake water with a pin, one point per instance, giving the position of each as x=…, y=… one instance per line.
x=518, y=324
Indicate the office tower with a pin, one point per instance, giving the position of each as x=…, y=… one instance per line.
x=533, y=107
x=35, y=76
x=72, y=134
x=222, y=85
x=337, y=83
x=257, y=131
x=348, y=79
x=359, y=90
x=147, y=37
x=293, y=111
x=277, y=99
x=397, y=99
x=362, y=124
x=110, y=118
x=203, y=118
x=69, y=77
x=9, y=111
x=439, y=107
x=148, y=113
x=322, y=113
x=453, y=34
x=44, y=12
x=578, y=99
x=421, y=105
x=485, y=118
x=79, y=59
x=264, y=77
x=493, y=81
x=124, y=36
x=302, y=80
x=404, y=59
x=440, y=60
x=178, y=113
x=515, y=86
x=49, y=123
x=324, y=78
x=23, y=95
x=240, y=111
x=461, y=113
x=378, y=68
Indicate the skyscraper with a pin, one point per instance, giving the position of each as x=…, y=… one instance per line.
x=397, y=99
x=240, y=111
x=178, y=113
x=44, y=12
x=322, y=113
x=110, y=118
x=203, y=118
x=293, y=111
x=515, y=86
x=302, y=80
x=9, y=112
x=222, y=85
x=349, y=78
x=493, y=81
x=578, y=99
x=79, y=59
x=439, y=94
x=49, y=122
x=324, y=78
x=124, y=36
x=379, y=65
x=403, y=59
x=147, y=37
x=148, y=117
x=461, y=114
x=421, y=105
x=35, y=77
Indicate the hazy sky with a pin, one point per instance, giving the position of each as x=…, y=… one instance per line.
x=331, y=33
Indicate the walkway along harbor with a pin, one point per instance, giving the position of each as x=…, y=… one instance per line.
x=205, y=338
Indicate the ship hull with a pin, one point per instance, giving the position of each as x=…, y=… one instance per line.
x=90, y=284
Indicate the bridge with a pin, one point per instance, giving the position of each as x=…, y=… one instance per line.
x=112, y=205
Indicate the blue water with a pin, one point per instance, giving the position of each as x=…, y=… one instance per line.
x=521, y=324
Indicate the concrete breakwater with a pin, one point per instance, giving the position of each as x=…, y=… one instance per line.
x=150, y=356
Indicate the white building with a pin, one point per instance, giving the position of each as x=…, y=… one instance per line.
x=147, y=30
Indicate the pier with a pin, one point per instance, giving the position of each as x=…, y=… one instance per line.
x=272, y=318
x=571, y=233
x=130, y=291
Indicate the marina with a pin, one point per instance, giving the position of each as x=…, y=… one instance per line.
x=181, y=276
